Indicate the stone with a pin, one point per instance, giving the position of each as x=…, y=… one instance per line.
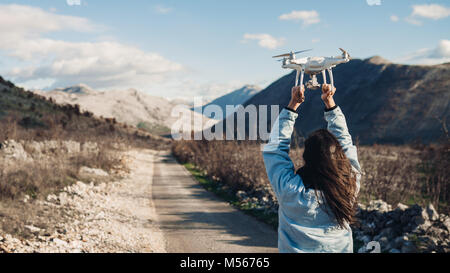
x=32, y=229
x=369, y=227
x=432, y=213
x=379, y=205
x=241, y=195
x=365, y=239
x=26, y=198
x=404, y=218
x=408, y=247
x=401, y=207
x=362, y=249
x=419, y=219
x=399, y=241
x=389, y=223
x=52, y=198
x=384, y=243
x=422, y=228
x=446, y=223
x=59, y=242
x=92, y=171
x=63, y=198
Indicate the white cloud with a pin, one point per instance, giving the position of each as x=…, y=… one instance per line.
x=308, y=17
x=26, y=21
x=162, y=9
x=413, y=21
x=103, y=64
x=431, y=11
x=99, y=64
x=265, y=40
x=427, y=56
x=373, y=2
x=73, y=2
x=394, y=18
x=428, y=11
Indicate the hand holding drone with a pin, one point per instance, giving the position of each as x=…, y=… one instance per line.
x=312, y=66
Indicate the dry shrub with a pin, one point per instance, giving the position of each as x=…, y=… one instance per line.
x=233, y=162
x=393, y=173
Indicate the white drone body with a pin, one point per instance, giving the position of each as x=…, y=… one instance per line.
x=312, y=66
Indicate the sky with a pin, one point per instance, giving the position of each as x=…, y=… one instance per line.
x=182, y=49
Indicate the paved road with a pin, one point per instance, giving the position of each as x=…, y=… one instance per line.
x=195, y=220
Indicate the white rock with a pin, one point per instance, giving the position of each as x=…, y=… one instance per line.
x=401, y=207
x=447, y=223
x=26, y=198
x=52, y=198
x=32, y=229
x=59, y=242
x=432, y=213
x=241, y=195
x=63, y=198
x=379, y=205
x=92, y=171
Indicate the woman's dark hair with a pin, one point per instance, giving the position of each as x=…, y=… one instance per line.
x=328, y=171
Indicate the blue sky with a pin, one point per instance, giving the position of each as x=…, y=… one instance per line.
x=208, y=48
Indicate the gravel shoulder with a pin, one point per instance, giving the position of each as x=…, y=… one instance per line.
x=108, y=217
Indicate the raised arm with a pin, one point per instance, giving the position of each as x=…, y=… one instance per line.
x=279, y=166
x=337, y=125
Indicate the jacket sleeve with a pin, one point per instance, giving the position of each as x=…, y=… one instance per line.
x=279, y=166
x=337, y=125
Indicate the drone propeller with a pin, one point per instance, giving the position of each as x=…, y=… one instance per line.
x=301, y=51
x=345, y=53
x=289, y=54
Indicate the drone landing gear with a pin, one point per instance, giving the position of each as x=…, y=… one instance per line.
x=313, y=84
x=330, y=73
x=300, y=73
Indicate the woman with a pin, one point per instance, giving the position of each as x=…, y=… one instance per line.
x=317, y=202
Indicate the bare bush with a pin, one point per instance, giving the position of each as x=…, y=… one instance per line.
x=392, y=173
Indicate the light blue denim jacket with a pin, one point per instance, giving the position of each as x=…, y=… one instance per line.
x=303, y=225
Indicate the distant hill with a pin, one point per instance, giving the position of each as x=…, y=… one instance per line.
x=25, y=115
x=128, y=106
x=236, y=97
x=383, y=102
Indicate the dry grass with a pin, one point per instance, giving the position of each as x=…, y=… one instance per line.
x=393, y=173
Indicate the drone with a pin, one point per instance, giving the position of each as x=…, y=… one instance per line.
x=312, y=66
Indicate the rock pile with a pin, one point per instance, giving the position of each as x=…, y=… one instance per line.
x=403, y=229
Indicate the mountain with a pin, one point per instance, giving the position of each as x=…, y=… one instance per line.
x=25, y=115
x=383, y=102
x=130, y=106
x=77, y=89
x=236, y=97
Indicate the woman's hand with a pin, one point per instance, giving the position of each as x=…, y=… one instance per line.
x=327, y=95
x=297, y=97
